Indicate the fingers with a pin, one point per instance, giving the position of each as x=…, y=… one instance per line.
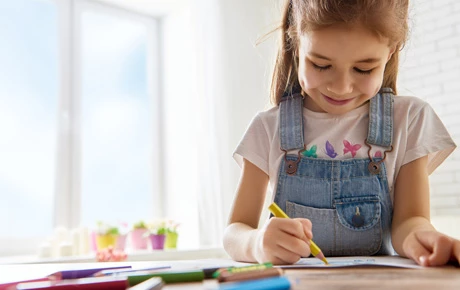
x=286, y=240
x=440, y=247
x=442, y=250
x=429, y=248
x=416, y=251
x=456, y=251
x=295, y=245
x=285, y=256
x=298, y=227
x=307, y=228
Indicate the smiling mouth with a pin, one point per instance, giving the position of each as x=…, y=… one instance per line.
x=336, y=102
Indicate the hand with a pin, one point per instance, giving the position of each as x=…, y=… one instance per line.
x=283, y=241
x=431, y=248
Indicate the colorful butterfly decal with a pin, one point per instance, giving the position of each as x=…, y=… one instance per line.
x=311, y=152
x=378, y=154
x=350, y=148
x=330, y=150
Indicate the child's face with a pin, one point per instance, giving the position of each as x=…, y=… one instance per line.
x=341, y=68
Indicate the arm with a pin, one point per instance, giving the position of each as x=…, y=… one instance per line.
x=280, y=240
x=412, y=234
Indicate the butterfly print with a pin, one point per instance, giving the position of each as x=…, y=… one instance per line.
x=330, y=150
x=311, y=152
x=350, y=148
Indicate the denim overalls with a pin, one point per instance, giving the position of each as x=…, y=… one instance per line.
x=347, y=201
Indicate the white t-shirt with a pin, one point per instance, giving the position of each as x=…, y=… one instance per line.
x=418, y=131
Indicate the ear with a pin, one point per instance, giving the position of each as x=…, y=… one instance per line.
x=392, y=50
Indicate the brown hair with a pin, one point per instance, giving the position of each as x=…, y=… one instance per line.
x=385, y=18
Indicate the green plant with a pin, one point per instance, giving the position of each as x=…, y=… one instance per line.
x=171, y=226
x=157, y=227
x=140, y=225
x=161, y=231
x=106, y=229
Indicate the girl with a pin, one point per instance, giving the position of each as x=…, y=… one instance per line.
x=346, y=159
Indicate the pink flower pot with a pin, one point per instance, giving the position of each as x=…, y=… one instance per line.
x=93, y=243
x=121, y=242
x=158, y=241
x=138, y=240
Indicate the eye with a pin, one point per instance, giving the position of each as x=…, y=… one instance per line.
x=363, y=72
x=321, y=68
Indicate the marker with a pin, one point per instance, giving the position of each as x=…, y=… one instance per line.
x=93, y=283
x=12, y=285
x=81, y=273
x=242, y=269
x=168, y=277
x=209, y=272
x=314, y=249
x=249, y=275
x=115, y=272
x=271, y=283
x=154, y=283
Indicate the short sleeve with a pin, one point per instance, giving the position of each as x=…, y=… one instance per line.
x=255, y=145
x=427, y=135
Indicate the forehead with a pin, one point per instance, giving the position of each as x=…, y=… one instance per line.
x=355, y=42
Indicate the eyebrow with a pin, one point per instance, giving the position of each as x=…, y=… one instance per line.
x=366, y=60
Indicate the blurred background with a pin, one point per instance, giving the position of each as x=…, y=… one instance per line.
x=129, y=110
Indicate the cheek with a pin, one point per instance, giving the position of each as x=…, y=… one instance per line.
x=371, y=85
x=309, y=78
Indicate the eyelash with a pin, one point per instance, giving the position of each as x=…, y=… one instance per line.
x=363, y=72
x=323, y=68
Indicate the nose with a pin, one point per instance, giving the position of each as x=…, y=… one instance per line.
x=341, y=84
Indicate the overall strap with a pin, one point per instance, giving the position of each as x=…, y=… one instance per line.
x=381, y=118
x=291, y=121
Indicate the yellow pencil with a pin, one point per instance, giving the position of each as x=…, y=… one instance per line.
x=314, y=249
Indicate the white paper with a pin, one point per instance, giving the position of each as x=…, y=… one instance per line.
x=353, y=261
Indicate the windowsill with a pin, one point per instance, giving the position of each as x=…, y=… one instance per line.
x=147, y=255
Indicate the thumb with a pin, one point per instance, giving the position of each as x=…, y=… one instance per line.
x=415, y=250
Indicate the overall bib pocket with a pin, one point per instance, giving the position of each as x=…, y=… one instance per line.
x=358, y=213
x=338, y=232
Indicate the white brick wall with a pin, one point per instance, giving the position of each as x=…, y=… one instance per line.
x=430, y=69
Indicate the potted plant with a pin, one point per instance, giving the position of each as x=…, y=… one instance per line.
x=171, y=234
x=138, y=239
x=157, y=234
x=122, y=234
x=106, y=235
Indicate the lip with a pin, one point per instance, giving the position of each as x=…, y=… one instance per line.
x=336, y=102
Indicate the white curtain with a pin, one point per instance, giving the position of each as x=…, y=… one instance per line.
x=213, y=158
x=233, y=76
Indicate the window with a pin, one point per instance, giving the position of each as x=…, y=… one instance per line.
x=79, y=119
x=117, y=120
x=28, y=105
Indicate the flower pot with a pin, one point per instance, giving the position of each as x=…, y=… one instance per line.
x=105, y=241
x=171, y=240
x=158, y=241
x=93, y=242
x=121, y=242
x=138, y=240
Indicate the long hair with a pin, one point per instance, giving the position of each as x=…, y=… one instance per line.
x=385, y=18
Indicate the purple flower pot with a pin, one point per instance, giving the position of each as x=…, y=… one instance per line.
x=158, y=241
